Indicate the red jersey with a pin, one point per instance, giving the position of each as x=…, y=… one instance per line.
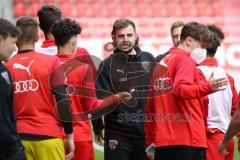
x=81, y=78
x=33, y=97
x=178, y=115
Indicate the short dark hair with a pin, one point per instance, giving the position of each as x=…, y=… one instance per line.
x=122, y=23
x=196, y=31
x=47, y=16
x=29, y=28
x=213, y=45
x=8, y=29
x=176, y=25
x=215, y=41
x=64, y=30
x=217, y=31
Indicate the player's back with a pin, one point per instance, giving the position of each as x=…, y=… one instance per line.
x=220, y=103
x=33, y=97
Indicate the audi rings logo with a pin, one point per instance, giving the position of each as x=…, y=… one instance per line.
x=162, y=84
x=26, y=86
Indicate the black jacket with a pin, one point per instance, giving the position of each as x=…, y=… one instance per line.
x=8, y=132
x=161, y=56
x=121, y=73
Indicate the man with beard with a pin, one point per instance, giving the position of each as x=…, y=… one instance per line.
x=127, y=69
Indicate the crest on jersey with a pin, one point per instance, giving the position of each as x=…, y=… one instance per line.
x=113, y=144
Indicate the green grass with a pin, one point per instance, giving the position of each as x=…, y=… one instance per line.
x=236, y=152
x=99, y=154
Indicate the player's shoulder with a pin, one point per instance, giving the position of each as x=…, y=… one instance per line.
x=81, y=51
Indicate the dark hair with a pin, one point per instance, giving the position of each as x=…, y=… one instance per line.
x=196, y=31
x=215, y=41
x=8, y=29
x=122, y=23
x=29, y=28
x=217, y=31
x=213, y=45
x=64, y=30
x=176, y=25
x=47, y=16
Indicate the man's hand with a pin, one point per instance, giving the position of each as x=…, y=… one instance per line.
x=222, y=148
x=99, y=139
x=150, y=156
x=69, y=146
x=217, y=84
x=124, y=97
x=150, y=151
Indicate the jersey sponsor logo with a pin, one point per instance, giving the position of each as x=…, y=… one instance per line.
x=113, y=144
x=162, y=84
x=26, y=86
x=20, y=66
x=6, y=77
x=120, y=70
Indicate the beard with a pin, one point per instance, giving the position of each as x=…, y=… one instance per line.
x=128, y=45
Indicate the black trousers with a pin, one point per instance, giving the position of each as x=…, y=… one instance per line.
x=124, y=148
x=180, y=153
x=14, y=152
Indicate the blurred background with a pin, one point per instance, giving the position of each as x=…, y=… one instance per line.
x=153, y=19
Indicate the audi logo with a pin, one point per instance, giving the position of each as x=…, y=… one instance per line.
x=162, y=84
x=26, y=86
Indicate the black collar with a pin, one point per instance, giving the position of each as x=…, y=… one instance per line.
x=25, y=51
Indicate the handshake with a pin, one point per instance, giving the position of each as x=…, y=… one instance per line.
x=124, y=97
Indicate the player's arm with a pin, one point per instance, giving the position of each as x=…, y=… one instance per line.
x=59, y=88
x=184, y=86
x=235, y=100
x=103, y=87
x=65, y=116
x=233, y=128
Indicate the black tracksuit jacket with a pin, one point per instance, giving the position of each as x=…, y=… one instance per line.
x=121, y=73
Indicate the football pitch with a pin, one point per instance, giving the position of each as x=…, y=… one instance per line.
x=99, y=153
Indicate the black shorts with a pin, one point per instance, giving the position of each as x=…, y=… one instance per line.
x=118, y=147
x=14, y=152
x=180, y=153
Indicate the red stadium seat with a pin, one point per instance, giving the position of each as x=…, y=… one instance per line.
x=159, y=10
x=144, y=10
x=81, y=1
x=64, y=1
x=113, y=10
x=34, y=1
x=49, y=1
x=98, y=10
x=66, y=9
x=18, y=1
x=217, y=9
x=172, y=9
x=81, y=10
x=34, y=9
x=126, y=10
x=202, y=9
x=84, y=10
x=188, y=10
x=19, y=9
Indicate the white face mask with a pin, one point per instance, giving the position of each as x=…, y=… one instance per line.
x=198, y=54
